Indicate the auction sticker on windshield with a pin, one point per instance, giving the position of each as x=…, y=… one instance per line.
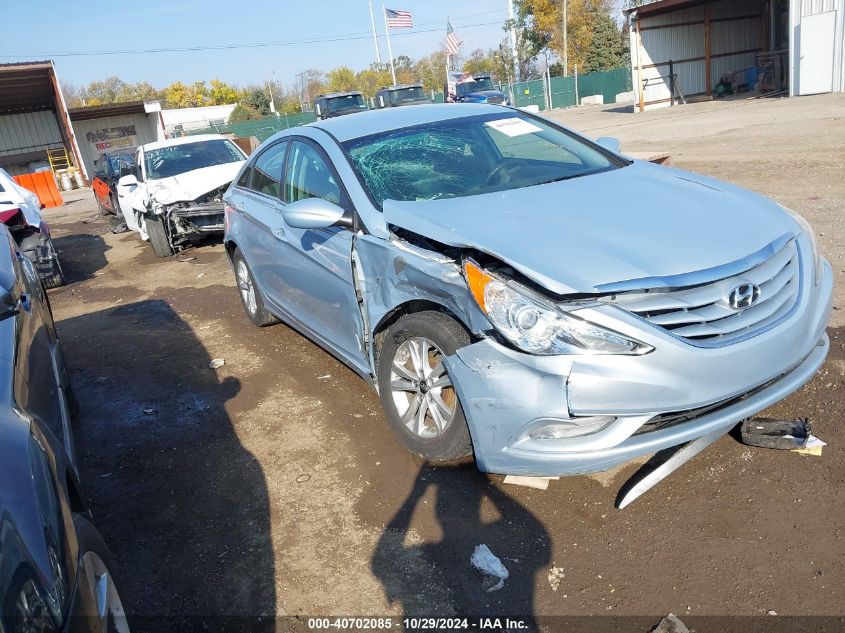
x=513, y=126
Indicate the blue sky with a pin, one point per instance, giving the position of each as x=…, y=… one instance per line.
x=144, y=24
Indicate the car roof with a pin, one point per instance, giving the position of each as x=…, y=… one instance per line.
x=346, y=128
x=182, y=140
x=400, y=87
x=330, y=95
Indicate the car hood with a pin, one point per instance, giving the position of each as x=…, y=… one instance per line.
x=636, y=224
x=192, y=184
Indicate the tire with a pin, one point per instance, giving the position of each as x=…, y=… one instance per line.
x=249, y=293
x=97, y=558
x=40, y=251
x=159, y=237
x=427, y=418
x=115, y=209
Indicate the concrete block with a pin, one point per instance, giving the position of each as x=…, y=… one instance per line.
x=593, y=100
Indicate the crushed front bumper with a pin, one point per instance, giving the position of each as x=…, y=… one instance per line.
x=507, y=394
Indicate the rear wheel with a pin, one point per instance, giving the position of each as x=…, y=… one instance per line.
x=415, y=388
x=249, y=293
x=158, y=236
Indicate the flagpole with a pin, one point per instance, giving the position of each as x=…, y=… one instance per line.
x=389, y=49
x=446, y=89
x=375, y=38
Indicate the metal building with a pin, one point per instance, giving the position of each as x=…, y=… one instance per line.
x=697, y=48
x=107, y=127
x=35, y=130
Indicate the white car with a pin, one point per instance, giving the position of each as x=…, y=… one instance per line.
x=20, y=211
x=174, y=194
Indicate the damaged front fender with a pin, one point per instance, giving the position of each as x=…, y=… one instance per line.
x=393, y=273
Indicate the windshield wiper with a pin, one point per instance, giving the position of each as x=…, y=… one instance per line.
x=558, y=179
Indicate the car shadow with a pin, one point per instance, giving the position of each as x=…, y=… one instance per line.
x=81, y=255
x=182, y=504
x=469, y=510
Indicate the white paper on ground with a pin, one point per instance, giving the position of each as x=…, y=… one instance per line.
x=540, y=483
x=489, y=564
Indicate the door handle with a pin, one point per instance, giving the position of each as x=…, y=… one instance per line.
x=279, y=234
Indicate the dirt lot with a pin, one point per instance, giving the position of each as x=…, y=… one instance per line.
x=272, y=485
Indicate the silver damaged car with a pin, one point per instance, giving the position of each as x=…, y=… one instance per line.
x=521, y=293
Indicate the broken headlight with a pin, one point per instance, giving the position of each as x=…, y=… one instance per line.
x=535, y=325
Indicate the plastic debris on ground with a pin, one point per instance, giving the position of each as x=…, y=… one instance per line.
x=813, y=446
x=540, y=483
x=778, y=434
x=217, y=363
x=485, y=561
x=670, y=624
x=555, y=577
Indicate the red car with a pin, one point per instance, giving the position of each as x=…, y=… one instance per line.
x=108, y=169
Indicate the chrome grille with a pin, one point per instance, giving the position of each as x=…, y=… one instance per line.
x=703, y=314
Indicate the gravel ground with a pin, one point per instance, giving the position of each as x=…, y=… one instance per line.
x=271, y=486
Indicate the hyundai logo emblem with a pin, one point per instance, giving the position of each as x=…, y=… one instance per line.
x=743, y=296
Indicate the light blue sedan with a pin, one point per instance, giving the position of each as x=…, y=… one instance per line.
x=518, y=292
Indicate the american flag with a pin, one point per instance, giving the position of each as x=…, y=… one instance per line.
x=398, y=19
x=452, y=43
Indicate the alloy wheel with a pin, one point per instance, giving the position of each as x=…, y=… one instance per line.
x=246, y=287
x=421, y=388
x=109, y=607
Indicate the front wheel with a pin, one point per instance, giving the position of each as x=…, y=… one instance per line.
x=416, y=391
x=158, y=236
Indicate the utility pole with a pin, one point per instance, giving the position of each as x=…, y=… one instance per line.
x=565, y=42
x=513, y=41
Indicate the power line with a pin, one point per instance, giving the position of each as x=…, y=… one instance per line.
x=213, y=47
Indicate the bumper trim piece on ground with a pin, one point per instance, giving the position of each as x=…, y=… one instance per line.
x=681, y=456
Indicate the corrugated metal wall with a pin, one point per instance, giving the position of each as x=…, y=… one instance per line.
x=28, y=132
x=736, y=31
x=98, y=135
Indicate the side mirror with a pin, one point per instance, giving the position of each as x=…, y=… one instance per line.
x=611, y=143
x=314, y=213
x=128, y=180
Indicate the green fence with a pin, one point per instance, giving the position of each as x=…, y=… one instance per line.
x=260, y=128
x=568, y=91
x=565, y=92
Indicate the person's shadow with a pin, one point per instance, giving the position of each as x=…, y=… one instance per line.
x=470, y=510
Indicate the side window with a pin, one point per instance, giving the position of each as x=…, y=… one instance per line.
x=243, y=181
x=308, y=175
x=267, y=171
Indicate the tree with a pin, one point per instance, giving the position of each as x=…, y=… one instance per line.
x=431, y=71
x=541, y=23
x=605, y=50
x=243, y=113
x=255, y=97
x=480, y=62
x=178, y=95
x=341, y=79
x=371, y=80
x=221, y=93
x=72, y=95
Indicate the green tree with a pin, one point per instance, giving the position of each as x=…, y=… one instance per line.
x=341, y=79
x=255, y=97
x=605, y=50
x=243, y=113
x=479, y=62
x=431, y=71
x=369, y=81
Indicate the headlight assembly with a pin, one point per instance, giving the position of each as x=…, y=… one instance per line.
x=807, y=230
x=536, y=325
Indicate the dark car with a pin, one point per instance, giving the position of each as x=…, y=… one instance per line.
x=476, y=89
x=55, y=569
x=401, y=95
x=339, y=103
x=108, y=169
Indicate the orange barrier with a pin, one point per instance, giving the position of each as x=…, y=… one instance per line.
x=43, y=185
